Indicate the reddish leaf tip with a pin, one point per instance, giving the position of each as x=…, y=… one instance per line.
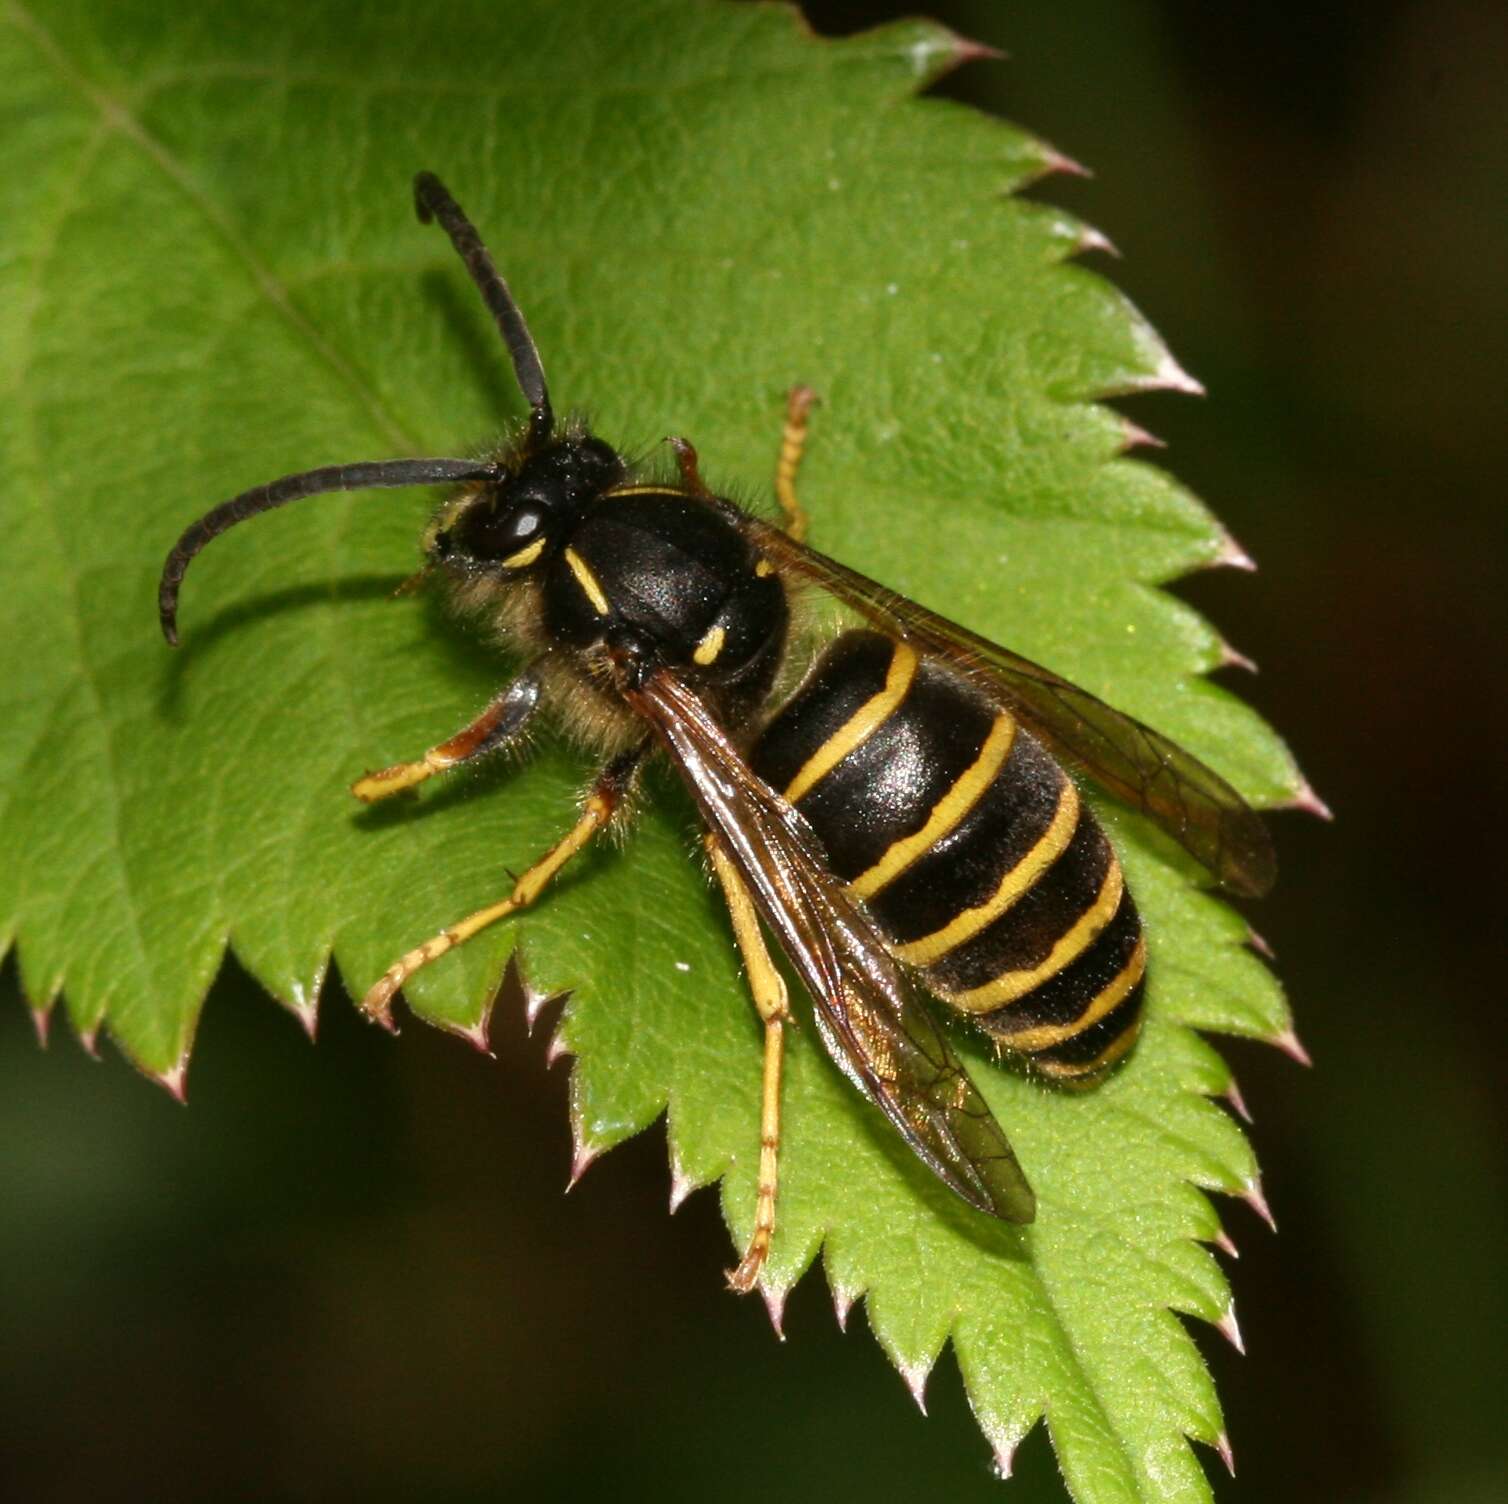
x=1228, y=1457
x=174, y=1080
x=1231, y=657
x=535, y=999
x=581, y=1161
x=1223, y=1242
x=1232, y=1094
x=843, y=1299
x=89, y=1039
x=1230, y=1329
x=774, y=1304
x=969, y=50
x=1171, y=377
x=1309, y=802
x=681, y=1186
x=41, y=1020
x=1230, y=555
x=1054, y=160
x=1091, y=239
x=304, y=1005
x=915, y=1376
x=1134, y=436
x=477, y=1035
x=1005, y=1458
x=308, y=1017
x=1252, y=1195
x=557, y=1049
x=1292, y=1046
x=1260, y=945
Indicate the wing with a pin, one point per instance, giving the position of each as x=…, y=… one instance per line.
x=1142, y=768
x=873, y=1021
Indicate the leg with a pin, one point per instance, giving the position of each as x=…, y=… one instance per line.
x=607, y=794
x=768, y=987
x=500, y=722
x=686, y=458
x=792, y=442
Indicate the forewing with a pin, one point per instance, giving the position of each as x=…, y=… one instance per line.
x=872, y=1019
x=1138, y=765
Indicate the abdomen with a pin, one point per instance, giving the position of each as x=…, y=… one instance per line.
x=969, y=846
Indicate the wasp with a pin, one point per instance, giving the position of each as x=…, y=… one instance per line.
x=901, y=821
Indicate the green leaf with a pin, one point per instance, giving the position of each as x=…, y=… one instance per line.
x=212, y=276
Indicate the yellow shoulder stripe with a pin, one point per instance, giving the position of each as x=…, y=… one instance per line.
x=588, y=582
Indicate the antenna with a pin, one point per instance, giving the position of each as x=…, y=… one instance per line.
x=432, y=200
x=290, y=488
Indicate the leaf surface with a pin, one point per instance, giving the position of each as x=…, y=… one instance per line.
x=212, y=276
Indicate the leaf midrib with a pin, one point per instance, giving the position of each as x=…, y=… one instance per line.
x=115, y=116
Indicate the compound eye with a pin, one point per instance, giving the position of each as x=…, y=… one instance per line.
x=513, y=537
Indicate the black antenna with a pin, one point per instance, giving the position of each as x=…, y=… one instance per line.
x=291, y=488
x=432, y=200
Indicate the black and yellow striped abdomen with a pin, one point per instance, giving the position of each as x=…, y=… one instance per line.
x=970, y=847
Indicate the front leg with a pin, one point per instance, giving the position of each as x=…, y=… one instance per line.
x=499, y=723
x=608, y=793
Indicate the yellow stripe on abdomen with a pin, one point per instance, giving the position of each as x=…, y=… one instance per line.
x=1010, y=985
x=1112, y=995
x=1088, y=1073
x=1016, y=883
x=861, y=725
x=946, y=813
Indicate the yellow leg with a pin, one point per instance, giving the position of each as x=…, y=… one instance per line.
x=596, y=812
x=768, y=988
x=799, y=403
x=502, y=720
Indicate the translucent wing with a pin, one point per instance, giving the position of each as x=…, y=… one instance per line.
x=1142, y=768
x=875, y=1024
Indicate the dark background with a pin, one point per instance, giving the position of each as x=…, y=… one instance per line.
x=350, y=1272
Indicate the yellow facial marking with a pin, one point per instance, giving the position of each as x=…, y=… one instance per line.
x=946, y=813
x=525, y=555
x=709, y=647
x=861, y=725
x=763, y=569
x=1114, y=993
x=588, y=582
x=1020, y=880
x=1010, y=985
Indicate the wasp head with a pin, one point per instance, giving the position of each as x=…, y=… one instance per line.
x=519, y=519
